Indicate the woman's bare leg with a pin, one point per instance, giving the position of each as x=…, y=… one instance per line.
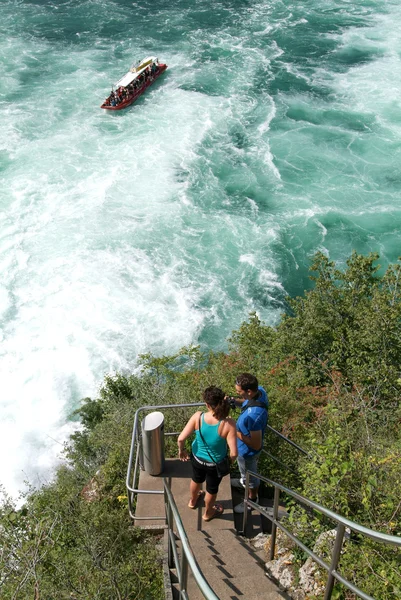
x=210, y=499
x=194, y=489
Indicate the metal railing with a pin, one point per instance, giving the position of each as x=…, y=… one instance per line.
x=342, y=524
x=187, y=558
x=133, y=462
x=172, y=518
x=286, y=439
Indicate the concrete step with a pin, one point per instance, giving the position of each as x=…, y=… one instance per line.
x=231, y=567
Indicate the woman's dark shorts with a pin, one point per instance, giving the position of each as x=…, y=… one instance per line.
x=202, y=472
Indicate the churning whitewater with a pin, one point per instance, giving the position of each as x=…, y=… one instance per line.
x=274, y=133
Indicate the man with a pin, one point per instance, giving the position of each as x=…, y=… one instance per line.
x=251, y=425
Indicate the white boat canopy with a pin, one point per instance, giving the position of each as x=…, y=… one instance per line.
x=126, y=80
x=135, y=71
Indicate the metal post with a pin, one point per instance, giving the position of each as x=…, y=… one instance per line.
x=338, y=544
x=275, y=517
x=184, y=574
x=131, y=496
x=169, y=519
x=245, y=503
x=130, y=502
x=152, y=443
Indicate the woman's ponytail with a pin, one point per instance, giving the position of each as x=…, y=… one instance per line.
x=215, y=398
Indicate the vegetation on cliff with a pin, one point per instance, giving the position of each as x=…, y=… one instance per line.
x=332, y=370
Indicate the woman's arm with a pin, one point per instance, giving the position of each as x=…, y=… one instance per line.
x=232, y=439
x=185, y=433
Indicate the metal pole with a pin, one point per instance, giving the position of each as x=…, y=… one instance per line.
x=184, y=573
x=169, y=519
x=338, y=544
x=245, y=503
x=275, y=517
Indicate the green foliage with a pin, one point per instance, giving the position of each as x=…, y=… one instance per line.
x=332, y=371
x=378, y=568
x=73, y=538
x=252, y=343
x=91, y=413
x=62, y=545
x=350, y=322
x=332, y=368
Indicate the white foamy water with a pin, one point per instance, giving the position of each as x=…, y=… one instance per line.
x=165, y=224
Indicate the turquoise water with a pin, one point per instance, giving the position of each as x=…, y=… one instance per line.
x=275, y=132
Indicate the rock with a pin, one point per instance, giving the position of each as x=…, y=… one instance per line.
x=311, y=578
x=91, y=491
x=282, y=541
x=324, y=544
x=259, y=541
x=281, y=570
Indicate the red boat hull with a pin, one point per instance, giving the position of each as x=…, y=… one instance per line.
x=131, y=99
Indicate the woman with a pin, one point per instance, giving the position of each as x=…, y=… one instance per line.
x=213, y=431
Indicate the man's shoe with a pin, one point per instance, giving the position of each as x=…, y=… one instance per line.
x=239, y=509
x=237, y=483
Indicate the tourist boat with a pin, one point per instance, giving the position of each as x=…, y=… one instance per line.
x=140, y=76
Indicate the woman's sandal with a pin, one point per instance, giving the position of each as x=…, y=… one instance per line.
x=218, y=511
x=200, y=495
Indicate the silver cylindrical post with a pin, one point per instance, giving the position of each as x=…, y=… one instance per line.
x=152, y=455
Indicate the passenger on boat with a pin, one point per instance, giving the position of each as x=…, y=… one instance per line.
x=108, y=101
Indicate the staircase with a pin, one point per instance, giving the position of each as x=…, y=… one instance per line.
x=211, y=559
x=232, y=568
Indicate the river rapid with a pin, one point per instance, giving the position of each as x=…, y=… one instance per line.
x=274, y=133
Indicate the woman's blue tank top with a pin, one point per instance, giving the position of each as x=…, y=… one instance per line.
x=216, y=444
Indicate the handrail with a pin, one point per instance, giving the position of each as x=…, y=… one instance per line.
x=135, y=444
x=286, y=439
x=342, y=524
x=187, y=556
x=172, y=516
x=134, y=456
